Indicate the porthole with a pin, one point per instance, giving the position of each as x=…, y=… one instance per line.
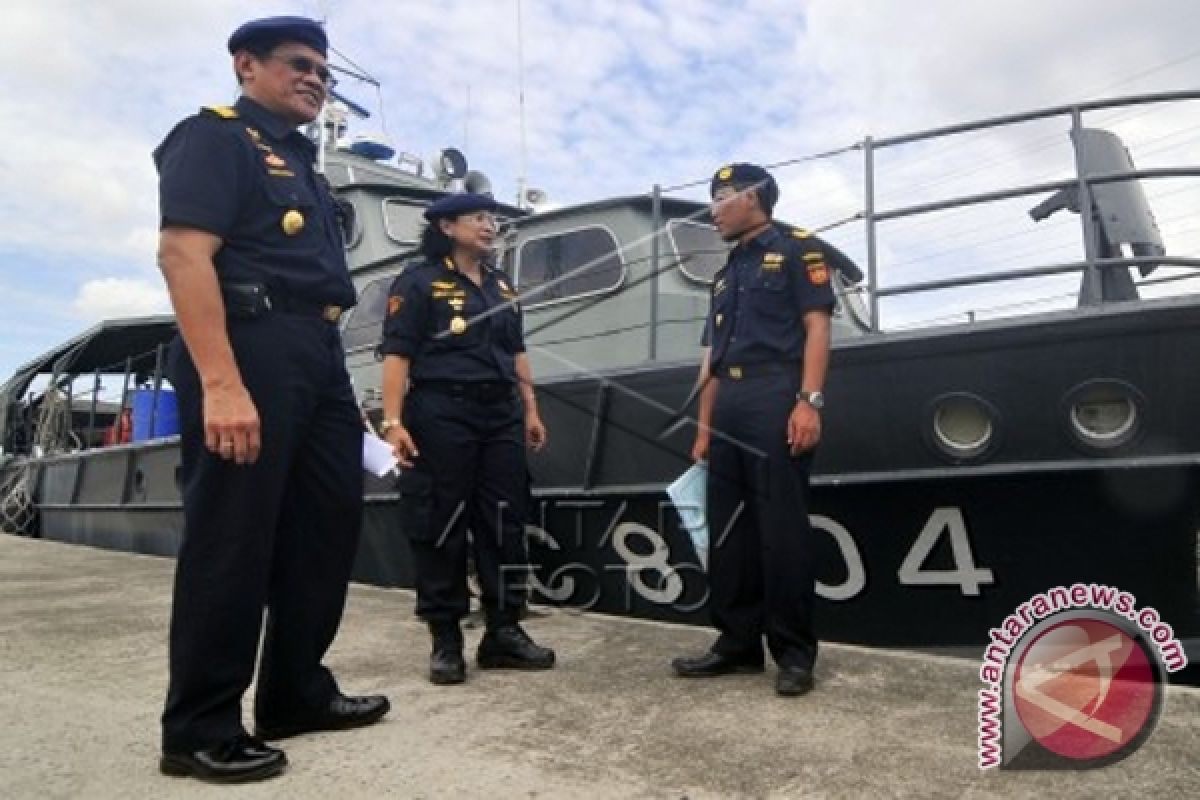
x=1104, y=414
x=963, y=427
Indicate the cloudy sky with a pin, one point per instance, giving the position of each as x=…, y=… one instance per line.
x=620, y=94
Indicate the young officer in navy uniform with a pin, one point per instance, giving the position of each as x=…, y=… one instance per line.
x=252, y=254
x=459, y=409
x=766, y=353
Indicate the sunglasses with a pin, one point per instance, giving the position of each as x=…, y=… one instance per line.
x=304, y=65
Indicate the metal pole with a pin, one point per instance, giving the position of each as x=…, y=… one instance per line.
x=92, y=413
x=1091, y=282
x=158, y=359
x=656, y=226
x=869, y=218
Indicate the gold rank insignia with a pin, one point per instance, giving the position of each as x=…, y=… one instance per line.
x=456, y=303
x=814, y=256
x=224, y=112
x=449, y=262
x=800, y=233
x=395, y=303
x=274, y=161
x=458, y=325
x=444, y=285
x=292, y=222
x=773, y=258
x=254, y=134
x=818, y=273
x=725, y=173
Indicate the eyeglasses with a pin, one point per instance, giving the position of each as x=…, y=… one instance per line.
x=304, y=65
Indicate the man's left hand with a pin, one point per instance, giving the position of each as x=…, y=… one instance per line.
x=804, y=428
x=535, y=432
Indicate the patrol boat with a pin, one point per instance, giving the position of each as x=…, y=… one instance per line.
x=963, y=468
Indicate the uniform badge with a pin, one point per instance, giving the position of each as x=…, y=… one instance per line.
x=449, y=262
x=718, y=319
x=725, y=173
x=800, y=233
x=254, y=134
x=395, y=303
x=274, y=161
x=818, y=273
x=458, y=325
x=456, y=303
x=292, y=222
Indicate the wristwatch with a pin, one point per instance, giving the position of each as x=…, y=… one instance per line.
x=814, y=399
x=388, y=424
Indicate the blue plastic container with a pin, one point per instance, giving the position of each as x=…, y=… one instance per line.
x=165, y=416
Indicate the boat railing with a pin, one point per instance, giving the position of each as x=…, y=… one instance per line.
x=1082, y=181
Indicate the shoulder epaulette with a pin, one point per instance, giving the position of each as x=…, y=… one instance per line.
x=224, y=112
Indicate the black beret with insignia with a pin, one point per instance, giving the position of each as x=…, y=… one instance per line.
x=747, y=176
x=270, y=31
x=462, y=203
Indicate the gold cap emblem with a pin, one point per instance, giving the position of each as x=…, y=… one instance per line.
x=458, y=325
x=725, y=174
x=292, y=222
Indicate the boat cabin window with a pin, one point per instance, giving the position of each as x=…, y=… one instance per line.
x=402, y=219
x=568, y=264
x=365, y=326
x=698, y=248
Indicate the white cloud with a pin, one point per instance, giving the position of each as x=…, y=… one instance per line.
x=120, y=297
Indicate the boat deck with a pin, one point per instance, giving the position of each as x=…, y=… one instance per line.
x=83, y=638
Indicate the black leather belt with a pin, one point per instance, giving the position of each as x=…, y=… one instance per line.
x=479, y=391
x=248, y=300
x=740, y=372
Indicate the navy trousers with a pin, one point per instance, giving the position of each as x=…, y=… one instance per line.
x=470, y=475
x=761, y=572
x=279, y=535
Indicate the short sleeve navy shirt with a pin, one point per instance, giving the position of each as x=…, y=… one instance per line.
x=760, y=297
x=450, y=328
x=238, y=174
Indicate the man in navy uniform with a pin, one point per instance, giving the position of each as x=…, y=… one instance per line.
x=252, y=254
x=766, y=353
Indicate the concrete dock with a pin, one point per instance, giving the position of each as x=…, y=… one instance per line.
x=83, y=669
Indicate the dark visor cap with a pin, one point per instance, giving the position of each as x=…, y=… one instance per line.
x=463, y=203
x=273, y=30
x=747, y=176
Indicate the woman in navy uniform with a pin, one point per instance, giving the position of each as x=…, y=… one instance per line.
x=271, y=434
x=459, y=410
x=763, y=371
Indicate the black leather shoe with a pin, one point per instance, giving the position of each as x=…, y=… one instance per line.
x=793, y=681
x=446, y=665
x=341, y=714
x=711, y=665
x=238, y=760
x=509, y=647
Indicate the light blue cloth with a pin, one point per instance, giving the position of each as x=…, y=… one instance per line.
x=687, y=493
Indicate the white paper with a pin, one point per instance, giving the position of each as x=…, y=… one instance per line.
x=378, y=458
x=687, y=493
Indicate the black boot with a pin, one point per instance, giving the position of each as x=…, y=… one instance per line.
x=509, y=647
x=446, y=664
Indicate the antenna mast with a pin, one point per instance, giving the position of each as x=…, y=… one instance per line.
x=521, y=106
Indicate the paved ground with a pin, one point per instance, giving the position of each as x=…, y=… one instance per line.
x=82, y=669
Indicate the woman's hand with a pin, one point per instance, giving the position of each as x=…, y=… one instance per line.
x=402, y=444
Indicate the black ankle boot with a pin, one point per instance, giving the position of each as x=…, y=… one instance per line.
x=446, y=664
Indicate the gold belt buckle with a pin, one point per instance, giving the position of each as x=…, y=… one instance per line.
x=331, y=313
x=735, y=373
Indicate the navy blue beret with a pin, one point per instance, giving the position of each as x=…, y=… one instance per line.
x=280, y=29
x=454, y=204
x=747, y=176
